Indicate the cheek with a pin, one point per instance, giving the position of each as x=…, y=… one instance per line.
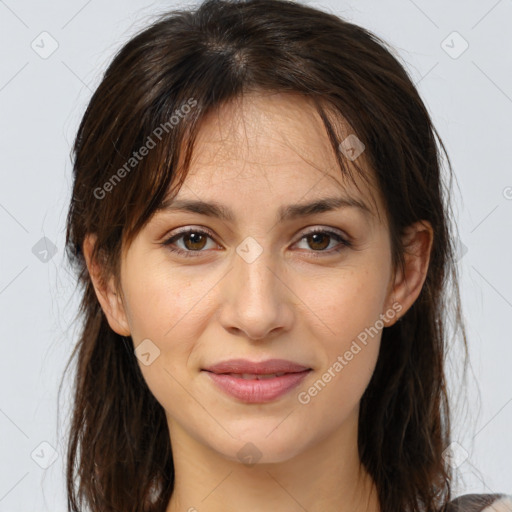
x=164, y=309
x=171, y=307
x=160, y=302
x=344, y=317
x=342, y=303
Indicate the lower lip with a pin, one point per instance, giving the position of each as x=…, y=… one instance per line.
x=257, y=391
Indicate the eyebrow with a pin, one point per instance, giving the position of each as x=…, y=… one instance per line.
x=285, y=213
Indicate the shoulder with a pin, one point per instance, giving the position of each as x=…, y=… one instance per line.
x=481, y=503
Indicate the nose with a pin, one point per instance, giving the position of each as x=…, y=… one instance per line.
x=256, y=301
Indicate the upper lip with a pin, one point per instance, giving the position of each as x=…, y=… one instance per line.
x=257, y=367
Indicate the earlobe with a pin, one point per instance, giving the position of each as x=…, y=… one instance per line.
x=417, y=241
x=110, y=301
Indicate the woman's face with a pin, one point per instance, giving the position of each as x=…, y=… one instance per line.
x=257, y=287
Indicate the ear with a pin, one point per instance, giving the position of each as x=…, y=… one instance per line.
x=109, y=299
x=407, y=284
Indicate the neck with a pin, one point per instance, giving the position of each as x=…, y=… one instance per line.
x=326, y=477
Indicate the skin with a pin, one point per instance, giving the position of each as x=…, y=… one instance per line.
x=254, y=157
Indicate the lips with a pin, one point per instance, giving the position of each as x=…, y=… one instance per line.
x=254, y=376
x=249, y=369
x=257, y=382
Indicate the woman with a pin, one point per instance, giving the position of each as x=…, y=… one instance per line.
x=261, y=230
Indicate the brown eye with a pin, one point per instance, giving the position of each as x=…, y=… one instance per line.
x=318, y=241
x=193, y=241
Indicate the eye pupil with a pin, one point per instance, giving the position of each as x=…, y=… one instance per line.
x=196, y=238
x=317, y=238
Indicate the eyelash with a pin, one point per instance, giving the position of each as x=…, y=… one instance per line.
x=168, y=242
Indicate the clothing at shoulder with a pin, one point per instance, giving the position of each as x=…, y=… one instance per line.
x=481, y=503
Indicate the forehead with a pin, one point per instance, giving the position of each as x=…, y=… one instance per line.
x=271, y=145
x=263, y=131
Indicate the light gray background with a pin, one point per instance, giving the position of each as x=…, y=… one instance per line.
x=42, y=100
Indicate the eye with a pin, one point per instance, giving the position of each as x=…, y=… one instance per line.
x=195, y=240
x=319, y=239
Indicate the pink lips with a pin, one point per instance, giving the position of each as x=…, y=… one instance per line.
x=228, y=376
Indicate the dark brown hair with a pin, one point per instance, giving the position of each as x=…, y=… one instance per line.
x=119, y=453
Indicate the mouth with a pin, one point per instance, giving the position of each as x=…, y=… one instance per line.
x=257, y=387
x=249, y=369
x=253, y=376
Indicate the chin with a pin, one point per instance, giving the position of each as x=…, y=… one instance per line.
x=261, y=443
